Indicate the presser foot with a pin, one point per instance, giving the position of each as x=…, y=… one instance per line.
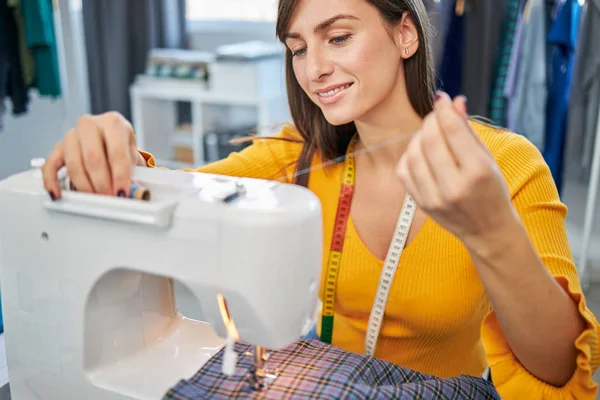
x=261, y=377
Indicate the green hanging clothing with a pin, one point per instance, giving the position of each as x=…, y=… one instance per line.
x=27, y=61
x=41, y=41
x=498, y=102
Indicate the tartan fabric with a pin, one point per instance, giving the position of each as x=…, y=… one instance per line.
x=316, y=370
x=498, y=102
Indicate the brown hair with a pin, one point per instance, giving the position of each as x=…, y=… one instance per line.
x=332, y=141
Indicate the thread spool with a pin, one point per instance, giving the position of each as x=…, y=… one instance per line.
x=138, y=192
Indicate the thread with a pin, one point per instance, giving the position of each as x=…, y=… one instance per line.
x=366, y=150
x=336, y=160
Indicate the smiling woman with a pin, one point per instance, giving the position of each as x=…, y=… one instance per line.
x=349, y=43
x=444, y=238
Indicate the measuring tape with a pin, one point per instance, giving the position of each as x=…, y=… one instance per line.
x=335, y=254
x=387, y=274
x=337, y=244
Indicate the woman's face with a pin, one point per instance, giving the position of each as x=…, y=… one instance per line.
x=344, y=58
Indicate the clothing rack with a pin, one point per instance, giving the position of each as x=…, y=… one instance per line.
x=589, y=215
x=71, y=92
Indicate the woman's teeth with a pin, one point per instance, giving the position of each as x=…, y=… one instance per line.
x=334, y=91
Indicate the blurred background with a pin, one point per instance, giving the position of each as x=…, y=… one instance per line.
x=193, y=74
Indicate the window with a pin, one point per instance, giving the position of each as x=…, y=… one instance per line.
x=231, y=10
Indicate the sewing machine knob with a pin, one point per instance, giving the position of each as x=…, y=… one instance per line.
x=38, y=163
x=240, y=188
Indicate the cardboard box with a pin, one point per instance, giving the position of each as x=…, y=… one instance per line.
x=184, y=154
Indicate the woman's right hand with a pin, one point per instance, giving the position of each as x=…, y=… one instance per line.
x=99, y=155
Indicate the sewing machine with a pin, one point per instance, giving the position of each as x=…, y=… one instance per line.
x=87, y=281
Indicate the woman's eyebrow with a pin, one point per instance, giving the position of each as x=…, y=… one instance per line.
x=323, y=25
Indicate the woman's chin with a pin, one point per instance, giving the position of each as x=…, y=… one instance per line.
x=338, y=118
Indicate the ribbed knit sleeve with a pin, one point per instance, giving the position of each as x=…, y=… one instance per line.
x=537, y=201
x=272, y=158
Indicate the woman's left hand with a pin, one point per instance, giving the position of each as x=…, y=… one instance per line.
x=454, y=178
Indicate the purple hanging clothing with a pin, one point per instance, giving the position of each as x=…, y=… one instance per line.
x=316, y=370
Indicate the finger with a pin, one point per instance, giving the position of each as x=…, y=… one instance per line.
x=460, y=104
x=74, y=163
x=52, y=165
x=426, y=183
x=94, y=156
x=117, y=135
x=461, y=141
x=407, y=179
x=438, y=155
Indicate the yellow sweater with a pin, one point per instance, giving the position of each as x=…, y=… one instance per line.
x=438, y=318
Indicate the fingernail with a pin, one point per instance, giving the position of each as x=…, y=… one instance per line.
x=464, y=98
x=438, y=95
x=52, y=195
x=121, y=193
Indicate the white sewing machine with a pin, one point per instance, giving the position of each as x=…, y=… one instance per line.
x=87, y=295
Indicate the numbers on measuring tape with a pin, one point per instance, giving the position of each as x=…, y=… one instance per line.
x=337, y=244
x=387, y=274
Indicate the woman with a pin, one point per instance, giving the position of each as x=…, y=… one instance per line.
x=486, y=276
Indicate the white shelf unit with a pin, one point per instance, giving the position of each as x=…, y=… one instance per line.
x=238, y=95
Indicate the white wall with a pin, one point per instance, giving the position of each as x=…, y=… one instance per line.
x=207, y=36
x=30, y=135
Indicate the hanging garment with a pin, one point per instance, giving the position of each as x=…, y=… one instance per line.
x=551, y=10
x=315, y=370
x=511, y=73
x=41, y=40
x=498, y=101
x=585, y=94
x=440, y=13
x=12, y=83
x=481, y=37
x=449, y=77
x=527, y=106
x=563, y=37
x=27, y=61
x=1, y=321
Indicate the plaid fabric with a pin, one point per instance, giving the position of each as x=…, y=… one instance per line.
x=498, y=102
x=313, y=369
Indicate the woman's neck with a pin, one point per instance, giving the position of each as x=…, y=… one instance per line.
x=382, y=144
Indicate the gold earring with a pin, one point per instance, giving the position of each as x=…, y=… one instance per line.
x=406, y=51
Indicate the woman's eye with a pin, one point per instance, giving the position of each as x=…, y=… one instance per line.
x=337, y=40
x=298, y=52
x=340, y=39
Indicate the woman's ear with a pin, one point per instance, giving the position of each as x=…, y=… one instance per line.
x=407, y=36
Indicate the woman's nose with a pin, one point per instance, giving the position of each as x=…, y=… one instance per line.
x=318, y=65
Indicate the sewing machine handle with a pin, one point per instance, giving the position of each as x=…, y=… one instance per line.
x=153, y=213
